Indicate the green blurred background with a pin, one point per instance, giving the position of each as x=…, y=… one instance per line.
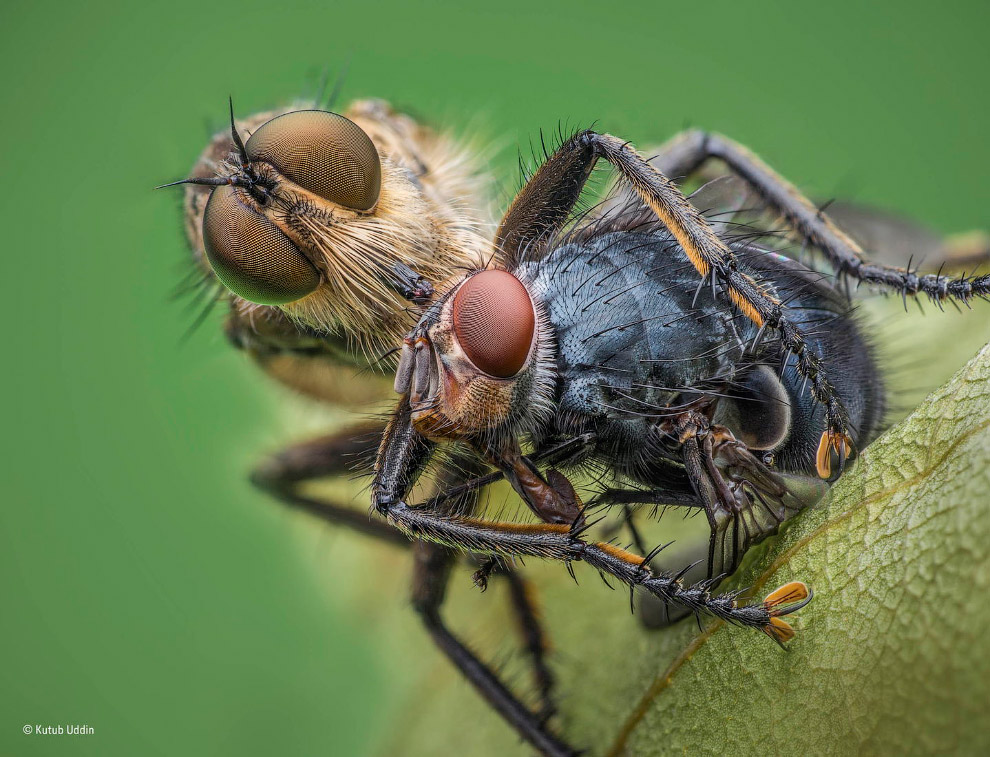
x=147, y=590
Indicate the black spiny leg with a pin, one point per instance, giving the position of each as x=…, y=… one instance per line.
x=745, y=501
x=542, y=209
x=282, y=474
x=530, y=628
x=432, y=571
x=688, y=151
x=404, y=454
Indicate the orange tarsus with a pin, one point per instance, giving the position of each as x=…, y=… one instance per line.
x=779, y=630
x=831, y=440
x=795, y=591
x=784, y=600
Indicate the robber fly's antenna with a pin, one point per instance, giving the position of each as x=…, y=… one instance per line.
x=217, y=181
x=237, y=137
x=214, y=181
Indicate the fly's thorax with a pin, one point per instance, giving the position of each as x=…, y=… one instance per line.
x=481, y=359
x=401, y=194
x=633, y=329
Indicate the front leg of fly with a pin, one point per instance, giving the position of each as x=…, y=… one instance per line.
x=745, y=501
x=402, y=456
x=551, y=498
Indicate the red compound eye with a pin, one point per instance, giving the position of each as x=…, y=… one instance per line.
x=494, y=322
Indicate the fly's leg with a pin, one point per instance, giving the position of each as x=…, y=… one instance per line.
x=432, y=572
x=283, y=474
x=745, y=501
x=404, y=454
x=559, y=454
x=565, y=544
x=462, y=498
x=544, y=205
x=650, y=611
x=686, y=152
x=529, y=626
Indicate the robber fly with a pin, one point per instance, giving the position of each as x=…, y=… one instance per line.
x=699, y=369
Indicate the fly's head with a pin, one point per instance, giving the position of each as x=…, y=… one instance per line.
x=309, y=216
x=481, y=359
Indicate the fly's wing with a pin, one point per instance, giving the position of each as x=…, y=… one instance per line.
x=891, y=239
x=894, y=240
x=732, y=208
x=739, y=214
x=735, y=211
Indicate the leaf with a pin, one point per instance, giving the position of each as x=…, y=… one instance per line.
x=892, y=655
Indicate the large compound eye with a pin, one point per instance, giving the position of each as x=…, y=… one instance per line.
x=325, y=153
x=494, y=322
x=251, y=255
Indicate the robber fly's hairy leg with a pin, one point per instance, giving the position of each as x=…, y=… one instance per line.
x=544, y=205
x=520, y=590
x=743, y=500
x=530, y=627
x=283, y=475
x=431, y=574
x=433, y=563
x=537, y=646
x=402, y=457
x=464, y=499
x=686, y=153
x=651, y=612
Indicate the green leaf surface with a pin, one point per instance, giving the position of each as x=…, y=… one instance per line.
x=892, y=656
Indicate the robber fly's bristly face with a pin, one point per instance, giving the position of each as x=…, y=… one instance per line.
x=311, y=211
x=479, y=358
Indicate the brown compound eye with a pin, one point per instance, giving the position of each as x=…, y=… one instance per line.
x=494, y=322
x=250, y=255
x=322, y=152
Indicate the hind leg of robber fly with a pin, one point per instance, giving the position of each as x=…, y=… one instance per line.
x=433, y=564
x=529, y=626
x=732, y=518
x=686, y=153
x=650, y=611
x=544, y=205
x=463, y=498
x=283, y=474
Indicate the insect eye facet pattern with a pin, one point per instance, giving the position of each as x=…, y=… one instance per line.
x=660, y=348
